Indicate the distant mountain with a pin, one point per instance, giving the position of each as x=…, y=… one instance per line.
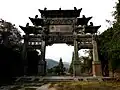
x=51, y=63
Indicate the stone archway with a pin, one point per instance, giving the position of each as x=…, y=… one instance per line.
x=62, y=26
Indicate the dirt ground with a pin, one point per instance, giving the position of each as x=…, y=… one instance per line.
x=85, y=86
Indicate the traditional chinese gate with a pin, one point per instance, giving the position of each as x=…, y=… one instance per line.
x=61, y=26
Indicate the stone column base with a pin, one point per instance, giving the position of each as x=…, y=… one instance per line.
x=96, y=68
x=76, y=68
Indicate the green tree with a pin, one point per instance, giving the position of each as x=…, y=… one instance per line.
x=61, y=66
x=59, y=69
x=104, y=49
x=11, y=64
x=10, y=35
x=109, y=45
x=56, y=70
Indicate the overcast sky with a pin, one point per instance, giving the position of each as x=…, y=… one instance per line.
x=18, y=11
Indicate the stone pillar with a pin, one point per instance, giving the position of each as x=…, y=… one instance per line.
x=42, y=62
x=96, y=65
x=76, y=61
x=24, y=54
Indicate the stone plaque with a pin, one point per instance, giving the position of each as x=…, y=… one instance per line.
x=60, y=28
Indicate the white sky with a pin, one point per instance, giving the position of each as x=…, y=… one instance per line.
x=18, y=11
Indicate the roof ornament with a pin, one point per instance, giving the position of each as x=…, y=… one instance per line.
x=91, y=24
x=27, y=25
x=83, y=16
x=75, y=8
x=36, y=16
x=59, y=8
x=45, y=9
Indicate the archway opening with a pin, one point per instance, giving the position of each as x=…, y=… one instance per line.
x=63, y=51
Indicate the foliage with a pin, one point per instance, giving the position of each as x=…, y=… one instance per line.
x=11, y=64
x=59, y=69
x=10, y=35
x=109, y=44
x=61, y=66
x=56, y=70
x=104, y=45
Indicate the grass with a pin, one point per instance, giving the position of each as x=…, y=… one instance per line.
x=86, y=85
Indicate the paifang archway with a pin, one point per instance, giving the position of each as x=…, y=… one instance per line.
x=61, y=26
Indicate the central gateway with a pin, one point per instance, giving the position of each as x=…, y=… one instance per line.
x=61, y=26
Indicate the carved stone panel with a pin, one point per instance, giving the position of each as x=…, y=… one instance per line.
x=85, y=46
x=59, y=21
x=67, y=38
x=84, y=39
x=60, y=39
